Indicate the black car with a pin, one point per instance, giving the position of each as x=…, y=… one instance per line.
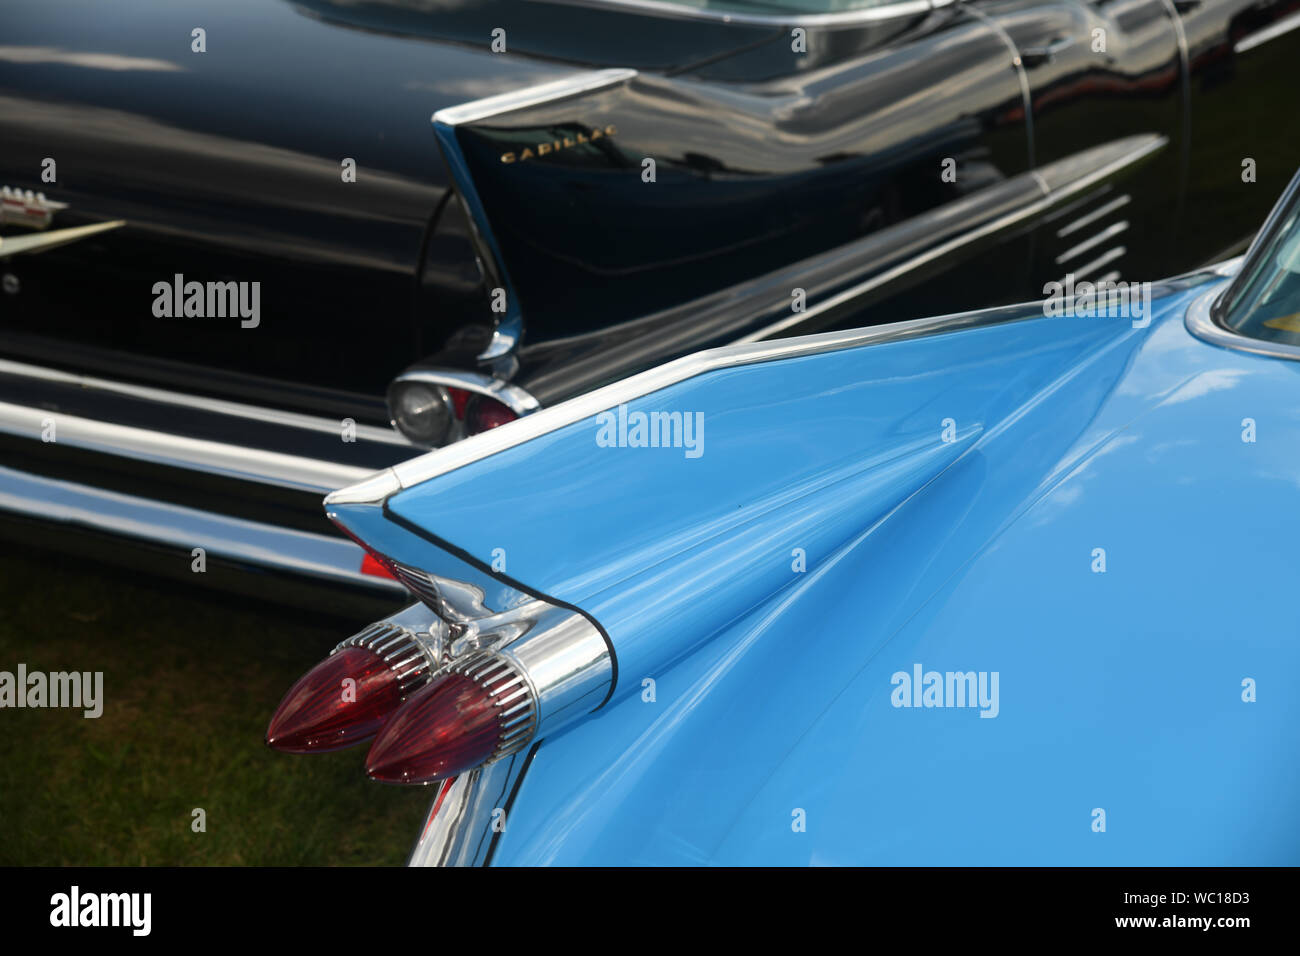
x=253, y=250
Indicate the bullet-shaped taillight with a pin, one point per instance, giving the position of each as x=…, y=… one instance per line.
x=482, y=709
x=346, y=698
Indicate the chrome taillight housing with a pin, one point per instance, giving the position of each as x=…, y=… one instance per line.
x=437, y=406
x=444, y=698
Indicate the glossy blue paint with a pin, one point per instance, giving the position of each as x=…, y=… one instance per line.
x=774, y=687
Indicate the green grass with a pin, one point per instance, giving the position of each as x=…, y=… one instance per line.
x=190, y=680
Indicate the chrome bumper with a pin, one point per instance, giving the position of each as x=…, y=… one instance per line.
x=175, y=472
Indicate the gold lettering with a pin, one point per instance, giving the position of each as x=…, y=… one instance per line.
x=554, y=146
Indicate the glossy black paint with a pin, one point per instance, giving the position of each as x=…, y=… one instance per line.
x=747, y=179
x=226, y=166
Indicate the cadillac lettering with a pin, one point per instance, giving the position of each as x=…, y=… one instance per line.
x=555, y=145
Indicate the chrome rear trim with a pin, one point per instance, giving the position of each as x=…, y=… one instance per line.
x=1052, y=185
x=162, y=396
x=511, y=396
x=274, y=548
x=165, y=448
x=1110, y=232
x=44, y=241
x=548, y=92
x=1075, y=225
x=459, y=828
x=1086, y=271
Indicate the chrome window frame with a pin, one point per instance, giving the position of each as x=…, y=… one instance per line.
x=1202, y=322
x=1206, y=316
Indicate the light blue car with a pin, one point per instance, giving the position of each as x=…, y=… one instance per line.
x=1018, y=586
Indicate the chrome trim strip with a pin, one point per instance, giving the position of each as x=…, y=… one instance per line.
x=1200, y=322
x=1106, y=258
x=1086, y=220
x=1044, y=201
x=372, y=490
x=491, y=106
x=143, y=444
x=1114, y=229
x=44, y=241
x=275, y=548
x=510, y=328
x=443, y=460
x=511, y=396
x=1072, y=207
x=886, y=11
x=274, y=416
x=458, y=829
x=1270, y=32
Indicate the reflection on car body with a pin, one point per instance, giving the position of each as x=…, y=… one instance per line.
x=726, y=173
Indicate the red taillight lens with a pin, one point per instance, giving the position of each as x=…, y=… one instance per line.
x=372, y=565
x=480, y=710
x=448, y=727
x=459, y=398
x=341, y=701
x=486, y=413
